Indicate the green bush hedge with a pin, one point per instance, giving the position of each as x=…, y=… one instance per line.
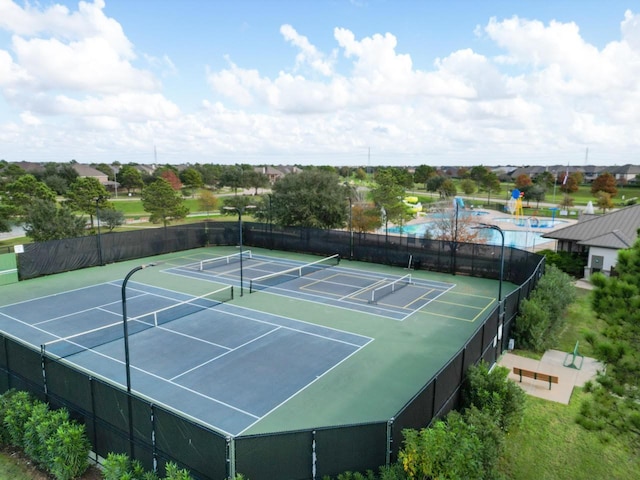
x=542, y=315
x=55, y=443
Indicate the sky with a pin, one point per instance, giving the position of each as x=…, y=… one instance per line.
x=321, y=82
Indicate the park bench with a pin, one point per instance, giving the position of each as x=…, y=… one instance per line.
x=535, y=375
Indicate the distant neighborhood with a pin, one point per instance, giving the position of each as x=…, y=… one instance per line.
x=624, y=174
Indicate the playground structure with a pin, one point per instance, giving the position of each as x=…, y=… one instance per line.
x=514, y=205
x=413, y=204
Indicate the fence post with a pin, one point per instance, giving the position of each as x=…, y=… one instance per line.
x=231, y=458
x=389, y=441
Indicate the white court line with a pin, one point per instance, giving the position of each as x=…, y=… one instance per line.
x=306, y=386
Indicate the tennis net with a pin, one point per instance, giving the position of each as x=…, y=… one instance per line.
x=79, y=342
x=219, y=261
x=272, y=279
x=389, y=288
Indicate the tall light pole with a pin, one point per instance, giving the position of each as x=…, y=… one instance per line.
x=127, y=363
x=350, y=197
x=240, y=211
x=98, y=200
x=500, y=302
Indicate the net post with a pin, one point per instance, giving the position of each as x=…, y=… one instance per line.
x=232, y=293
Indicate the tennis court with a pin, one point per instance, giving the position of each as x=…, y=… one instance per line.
x=322, y=343
x=240, y=365
x=323, y=281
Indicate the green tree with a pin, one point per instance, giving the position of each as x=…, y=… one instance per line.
x=388, y=195
x=490, y=183
x=603, y=201
x=87, y=194
x=5, y=217
x=547, y=179
x=111, y=218
x=434, y=183
x=535, y=192
x=208, y=201
x=313, y=198
x=614, y=408
x=361, y=174
x=21, y=194
x=447, y=189
x=56, y=183
x=210, y=174
x=401, y=176
x=424, y=173
x=191, y=178
x=478, y=173
x=46, y=221
x=468, y=186
x=163, y=202
x=232, y=176
x=605, y=182
x=130, y=177
x=9, y=172
x=255, y=180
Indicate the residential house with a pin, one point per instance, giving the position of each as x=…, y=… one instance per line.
x=626, y=173
x=90, y=172
x=600, y=237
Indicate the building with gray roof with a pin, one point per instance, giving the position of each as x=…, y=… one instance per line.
x=600, y=237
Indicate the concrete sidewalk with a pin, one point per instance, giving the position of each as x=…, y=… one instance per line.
x=552, y=363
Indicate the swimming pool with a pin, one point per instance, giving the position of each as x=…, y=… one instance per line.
x=461, y=213
x=512, y=238
x=533, y=222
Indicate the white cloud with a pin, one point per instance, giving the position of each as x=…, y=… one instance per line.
x=29, y=119
x=75, y=77
x=309, y=54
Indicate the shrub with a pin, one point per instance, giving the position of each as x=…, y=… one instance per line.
x=490, y=391
x=5, y=401
x=42, y=425
x=17, y=411
x=68, y=449
x=175, y=473
x=118, y=466
x=542, y=316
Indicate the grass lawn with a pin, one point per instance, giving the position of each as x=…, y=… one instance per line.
x=550, y=444
x=10, y=467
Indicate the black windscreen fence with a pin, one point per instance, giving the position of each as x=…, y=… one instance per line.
x=117, y=422
x=279, y=455
x=353, y=448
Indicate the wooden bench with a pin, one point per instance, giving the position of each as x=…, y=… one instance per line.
x=535, y=375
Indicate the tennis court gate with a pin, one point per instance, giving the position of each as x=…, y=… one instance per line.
x=161, y=435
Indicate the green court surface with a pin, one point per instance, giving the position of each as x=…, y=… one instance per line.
x=369, y=386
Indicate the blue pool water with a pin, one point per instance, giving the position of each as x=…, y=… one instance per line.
x=535, y=222
x=512, y=238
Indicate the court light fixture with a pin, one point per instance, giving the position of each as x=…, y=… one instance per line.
x=488, y=226
x=240, y=211
x=127, y=363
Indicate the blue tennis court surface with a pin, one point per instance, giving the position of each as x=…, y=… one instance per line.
x=323, y=281
x=222, y=364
